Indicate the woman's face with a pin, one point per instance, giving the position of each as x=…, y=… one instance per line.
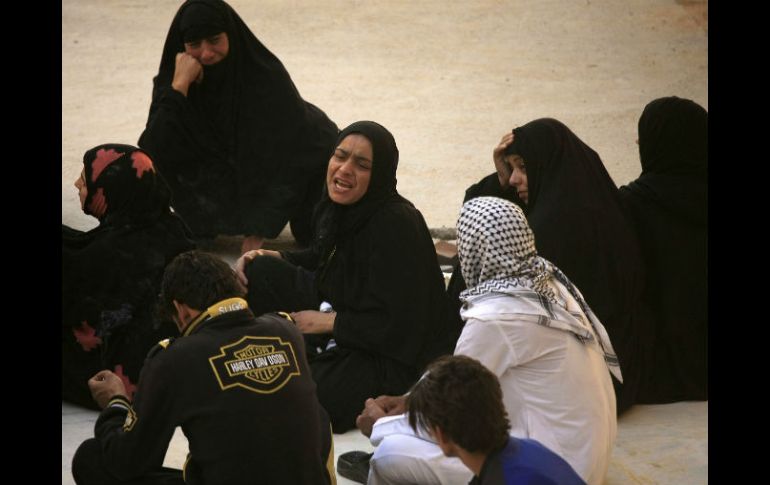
x=80, y=184
x=350, y=169
x=518, y=179
x=210, y=50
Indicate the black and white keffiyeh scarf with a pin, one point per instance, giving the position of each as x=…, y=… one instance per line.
x=497, y=255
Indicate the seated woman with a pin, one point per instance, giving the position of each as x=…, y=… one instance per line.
x=242, y=152
x=574, y=210
x=668, y=207
x=528, y=324
x=111, y=274
x=374, y=263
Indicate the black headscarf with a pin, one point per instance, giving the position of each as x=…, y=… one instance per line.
x=375, y=262
x=335, y=221
x=574, y=211
x=673, y=138
x=200, y=20
x=668, y=207
x=111, y=274
x=673, y=149
x=243, y=151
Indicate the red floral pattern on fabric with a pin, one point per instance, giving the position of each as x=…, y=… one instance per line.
x=142, y=163
x=130, y=387
x=98, y=205
x=103, y=159
x=85, y=335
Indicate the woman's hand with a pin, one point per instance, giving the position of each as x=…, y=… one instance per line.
x=240, y=264
x=186, y=71
x=312, y=321
x=498, y=156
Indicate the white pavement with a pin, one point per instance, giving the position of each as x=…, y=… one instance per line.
x=448, y=79
x=662, y=444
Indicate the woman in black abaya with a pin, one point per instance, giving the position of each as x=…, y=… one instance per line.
x=668, y=207
x=111, y=274
x=573, y=208
x=242, y=152
x=374, y=263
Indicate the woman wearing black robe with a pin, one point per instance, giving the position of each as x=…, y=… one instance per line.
x=668, y=207
x=574, y=210
x=242, y=152
x=374, y=262
x=111, y=274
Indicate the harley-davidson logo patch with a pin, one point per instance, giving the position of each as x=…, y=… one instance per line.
x=260, y=364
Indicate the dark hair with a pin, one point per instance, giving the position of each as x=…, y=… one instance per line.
x=462, y=398
x=197, y=279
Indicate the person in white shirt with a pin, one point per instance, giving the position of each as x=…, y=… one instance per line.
x=528, y=324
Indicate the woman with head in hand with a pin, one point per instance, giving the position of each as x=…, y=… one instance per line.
x=242, y=152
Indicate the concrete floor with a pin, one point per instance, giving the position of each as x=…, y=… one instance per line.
x=448, y=79
x=661, y=444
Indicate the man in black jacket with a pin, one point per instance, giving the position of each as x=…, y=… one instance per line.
x=239, y=387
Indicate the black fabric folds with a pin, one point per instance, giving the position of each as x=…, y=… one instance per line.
x=337, y=222
x=668, y=207
x=111, y=274
x=201, y=20
x=378, y=265
x=576, y=215
x=243, y=153
x=374, y=261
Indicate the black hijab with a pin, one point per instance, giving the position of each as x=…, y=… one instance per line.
x=668, y=206
x=378, y=266
x=201, y=20
x=673, y=149
x=245, y=129
x=250, y=77
x=575, y=213
x=336, y=222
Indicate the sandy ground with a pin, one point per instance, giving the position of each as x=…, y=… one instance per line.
x=660, y=444
x=447, y=78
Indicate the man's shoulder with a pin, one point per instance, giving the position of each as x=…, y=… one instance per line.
x=161, y=346
x=273, y=324
x=276, y=319
x=282, y=317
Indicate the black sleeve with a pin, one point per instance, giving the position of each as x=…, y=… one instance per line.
x=172, y=130
x=170, y=103
x=306, y=258
x=135, y=437
x=400, y=295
